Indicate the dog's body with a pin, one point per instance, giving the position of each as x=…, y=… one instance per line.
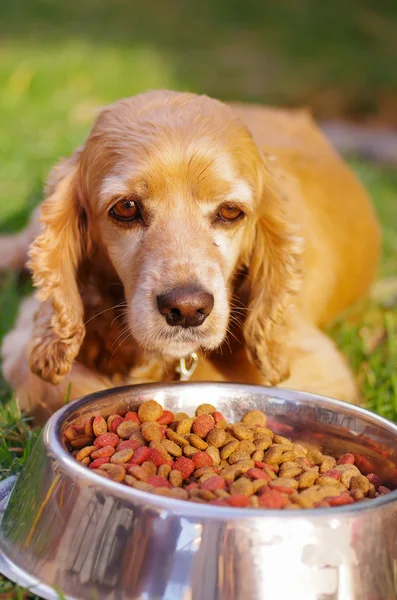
x=305, y=246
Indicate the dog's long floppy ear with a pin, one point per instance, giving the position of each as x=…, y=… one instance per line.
x=274, y=275
x=54, y=259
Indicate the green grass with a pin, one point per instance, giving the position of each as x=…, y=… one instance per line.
x=60, y=60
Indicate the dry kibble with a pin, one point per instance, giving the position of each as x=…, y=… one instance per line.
x=214, y=454
x=205, y=459
x=126, y=429
x=204, y=409
x=184, y=426
x=176, y=437
x=172, y=448
x=229, y=449
x=216, y=437
x=254, y=417
x=197, y=442
x=175, y=478
x=242, y=432
x=150, y=411
x=151, y=432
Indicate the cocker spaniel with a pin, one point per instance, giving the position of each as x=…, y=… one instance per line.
x=185, y=225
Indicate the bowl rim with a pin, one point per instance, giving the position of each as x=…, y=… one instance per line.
x=56, y=452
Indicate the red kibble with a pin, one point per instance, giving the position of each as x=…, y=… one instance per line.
x=383, y=490
x=218, y=416
x=105, y=451
x=213, y=483
x=106, y=439
x=218, y=502
x=271, y=498
x=283, y=490
x=341, y=500
x=203, y=425
x=332, y=473
x=192, y=486
x=256, y=473
x=363, y=463
x=140, y=455
x=132, y=416
x=158, y=481
x=115, y=423
x=185, y=465
x=129, y=444
x=170, y=463
x=375, y=480
x=98, y=462
x=202, y=459
x=346, y=459
x=166, y=418
x=271, y=467
x=238, y=500
x=156, y=457
x=259, y=464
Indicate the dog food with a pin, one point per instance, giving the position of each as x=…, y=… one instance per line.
x=205, y=459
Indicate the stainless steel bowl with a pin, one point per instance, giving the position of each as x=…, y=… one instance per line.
x=91, y=538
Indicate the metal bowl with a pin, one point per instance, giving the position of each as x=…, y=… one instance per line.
x=91, y=538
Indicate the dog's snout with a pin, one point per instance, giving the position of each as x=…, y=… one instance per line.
x=186, y=306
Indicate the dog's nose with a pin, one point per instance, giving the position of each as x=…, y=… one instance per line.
x=186, y=306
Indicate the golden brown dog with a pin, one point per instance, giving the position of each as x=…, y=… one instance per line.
x=183, y=225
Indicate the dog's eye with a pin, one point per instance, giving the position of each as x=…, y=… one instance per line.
x=229, y=213
x=125, y=210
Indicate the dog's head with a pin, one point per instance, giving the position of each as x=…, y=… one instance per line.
x=173, y=189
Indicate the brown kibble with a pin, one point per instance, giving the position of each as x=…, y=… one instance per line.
x=214, y=454
x=185, y=426
x=126, y=429
x=176, y=437
x=188, y=451
x=229, y=449
x=175, y=478
x=204, y=409
x=243, y=486
x=324, y=480
x=171, y=447
x=206, y=495
x=221, y=424
x=197, y=442
x=122, y=456
x=178, y=493
x=254, y=417
x=238, y=455
x=86, y=461
x=263, y=443
x=291, y=472
x=99, y=426
x=216, y=437
x=258, y=484
x=359, y=482
x=138, y=472
x=273, y=455
x=283, y=482
x=180, y=416
x=328, y=464
x=203, y=471
x=150, y=411
x=115, y=472
x=279, y=439
x=149, y=467
x=80, y=442
x=164, y=471
x=247, y=446
x=258, y=455
x=242, y=432
x=85, y=452
x=151, y=431
x=306, y=480
x=254, y=501
x=315, y=456
x=143, y=486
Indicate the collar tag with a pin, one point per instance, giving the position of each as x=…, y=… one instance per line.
x=187, y=366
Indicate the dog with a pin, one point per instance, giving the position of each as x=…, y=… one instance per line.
x=184, y=225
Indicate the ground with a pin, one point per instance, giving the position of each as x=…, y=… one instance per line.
x=60, y=61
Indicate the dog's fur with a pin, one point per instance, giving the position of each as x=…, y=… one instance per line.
x=307, y=247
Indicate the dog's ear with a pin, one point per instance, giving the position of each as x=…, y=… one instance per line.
x=54, y=259
x=273, y=263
